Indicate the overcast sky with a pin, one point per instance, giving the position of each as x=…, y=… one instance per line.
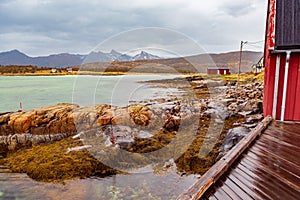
x=42, y=27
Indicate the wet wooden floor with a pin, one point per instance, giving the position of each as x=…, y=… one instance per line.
x=268, y=169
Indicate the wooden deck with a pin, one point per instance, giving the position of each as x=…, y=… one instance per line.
x=267, y=168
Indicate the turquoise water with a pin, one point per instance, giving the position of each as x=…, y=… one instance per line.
x=39, y=91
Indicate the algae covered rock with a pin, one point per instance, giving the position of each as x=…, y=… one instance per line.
x=53, y=162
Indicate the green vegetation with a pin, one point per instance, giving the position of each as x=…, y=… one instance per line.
x=244, y=77
x=29, y=70
x=18, y=69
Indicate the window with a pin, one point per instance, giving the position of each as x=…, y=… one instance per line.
x=287, y=24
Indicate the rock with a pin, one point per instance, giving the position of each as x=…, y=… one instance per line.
x=228, y=101
x=172, y=122
x=139, y=114
x=212, y=83
x=78, y=148
x=250, y=120
x=217, y=110
x=252, y=105
x=258, y=117
x=233, y=137
x=4, y=118
x=104, y=120
x=144, y=134
x=200, y=86
x=233, y=107
x=250, y=126
x=236, y=124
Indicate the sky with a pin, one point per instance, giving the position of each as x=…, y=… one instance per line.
x=43, y=27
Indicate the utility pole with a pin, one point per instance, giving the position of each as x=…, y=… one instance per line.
x=240, y=62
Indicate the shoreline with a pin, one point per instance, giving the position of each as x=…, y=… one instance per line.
x=29, y=131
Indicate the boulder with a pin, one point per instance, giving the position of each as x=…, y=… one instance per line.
x=233, y=137
x=139, y=114
x=252, y=105
x=216, y=110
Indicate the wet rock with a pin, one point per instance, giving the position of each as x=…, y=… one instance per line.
x=259, y=116
x=233, y=137
x=144, y=134
x=236, y=124
x=233, y=107
x=4, y=118
x=217, y=110
x=252, y=105
x=250, y=126
x=212, y=83
x=228, y=101
x=172, y=122
x=245, y=113
x=173, y=117
x=139, y=114
x=254, y=118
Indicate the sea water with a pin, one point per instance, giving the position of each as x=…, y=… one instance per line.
x=40, y=91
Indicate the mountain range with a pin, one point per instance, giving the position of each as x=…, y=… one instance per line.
x=118, y=60
x=16, y=57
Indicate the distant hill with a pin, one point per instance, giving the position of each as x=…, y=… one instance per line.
x=230, y=59
x=99, y=61
x=16, y=57
x=190, y=64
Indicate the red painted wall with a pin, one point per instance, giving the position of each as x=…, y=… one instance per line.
x=292, y=110
x=212, y=71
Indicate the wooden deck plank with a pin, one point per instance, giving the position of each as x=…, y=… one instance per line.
x=270, y=187
x=214, y=173
x=285, y=163
x=275, y=170
x=221, y=194
x=284, y=152
x=282, y=137
x=212, y=197
x=292, y=129
x=267, y=168
x=236, y=188
x=243, y=183
x=228, y=183
x=230, y=192
x=268, y=178
x=209, y=194
x=263, y=192
x=293, y=144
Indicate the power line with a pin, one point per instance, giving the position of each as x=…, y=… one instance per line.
x=256, y=46
x=256, y=42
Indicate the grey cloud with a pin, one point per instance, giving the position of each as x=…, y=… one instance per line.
x=78, y=25
x=238, y=7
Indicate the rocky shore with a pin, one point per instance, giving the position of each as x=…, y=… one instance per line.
x=68, y=141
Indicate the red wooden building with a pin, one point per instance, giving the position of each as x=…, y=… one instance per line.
x=282, y=60
x=218, y=70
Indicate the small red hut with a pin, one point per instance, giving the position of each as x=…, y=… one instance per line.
x=282, y=60
x=218, y=70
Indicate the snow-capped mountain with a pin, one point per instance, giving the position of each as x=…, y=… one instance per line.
x=117, y=56
x=145, y=56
